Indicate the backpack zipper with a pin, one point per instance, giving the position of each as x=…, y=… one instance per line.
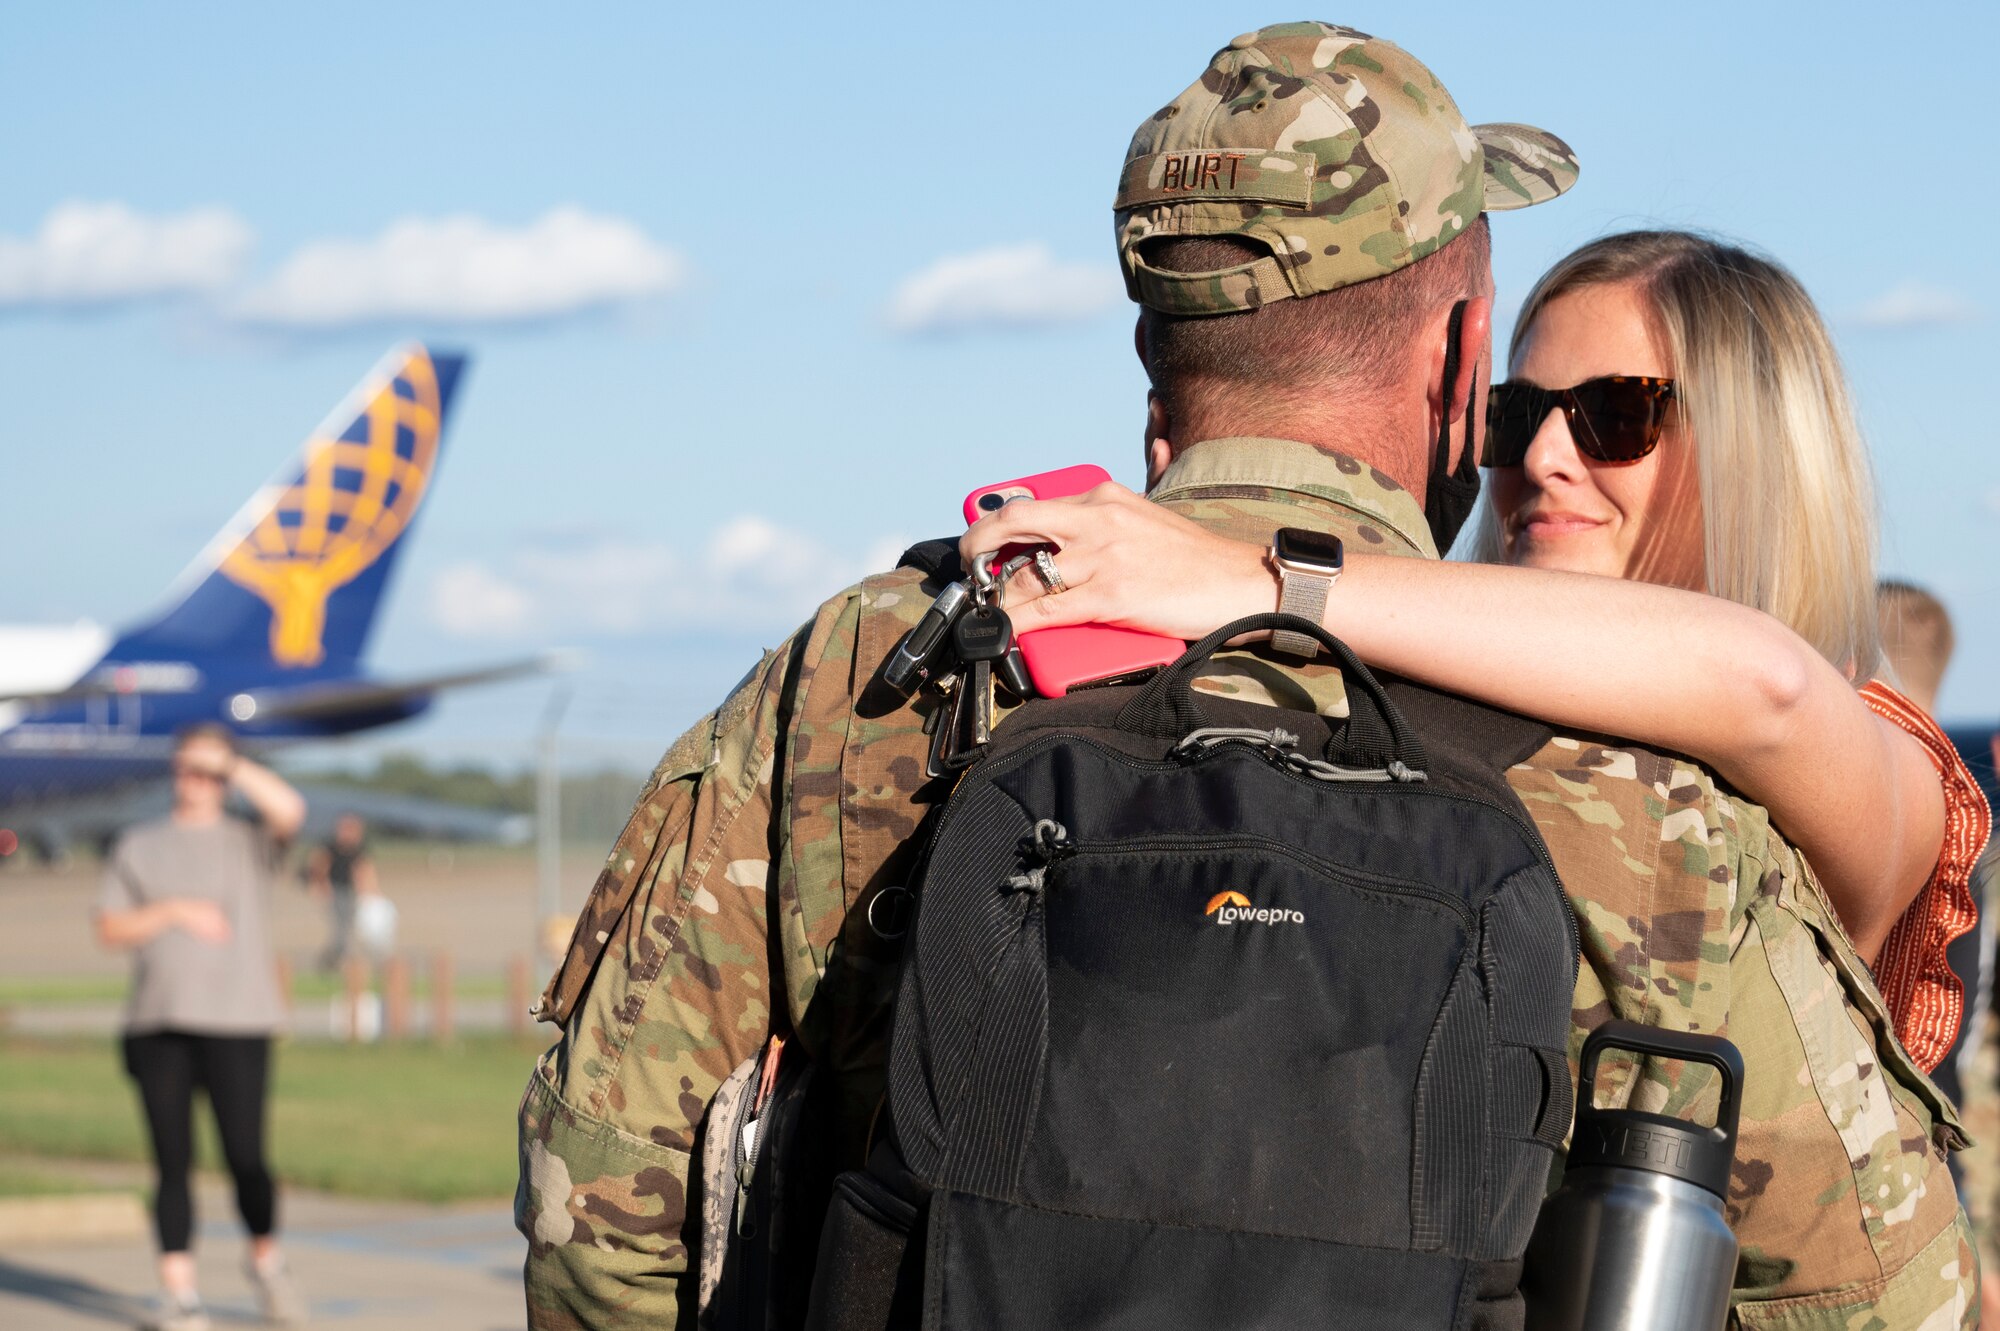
x=749, y=1138
x=1344, y=874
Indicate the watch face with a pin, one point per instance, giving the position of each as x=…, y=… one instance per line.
x=1296, y=545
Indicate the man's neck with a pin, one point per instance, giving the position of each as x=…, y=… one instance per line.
x=1406, y=464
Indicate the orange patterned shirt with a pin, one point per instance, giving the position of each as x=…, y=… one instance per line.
x=1925, y=997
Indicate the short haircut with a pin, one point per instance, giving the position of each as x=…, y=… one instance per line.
x=1916, y=636
x=208, y=730
x=1354, y=341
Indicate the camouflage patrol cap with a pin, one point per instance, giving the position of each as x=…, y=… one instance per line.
x=1336, y=151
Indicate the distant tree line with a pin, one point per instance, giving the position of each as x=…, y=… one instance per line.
x=594, y=803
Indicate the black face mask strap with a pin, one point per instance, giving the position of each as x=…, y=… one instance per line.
x=1454, y=334
x=1452, y=494
x=1468, y=463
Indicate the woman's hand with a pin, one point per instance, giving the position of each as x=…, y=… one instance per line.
x=196, y=916
x=1125, y=561
x=201, y=918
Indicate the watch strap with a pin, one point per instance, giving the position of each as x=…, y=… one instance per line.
x=1304, y=595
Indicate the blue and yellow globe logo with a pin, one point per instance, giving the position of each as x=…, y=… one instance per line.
x=356, y=494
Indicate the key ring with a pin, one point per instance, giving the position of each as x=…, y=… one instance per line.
x=982, y=572
x=992, y=588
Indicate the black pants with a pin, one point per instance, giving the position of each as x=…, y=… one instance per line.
x=234, y=1070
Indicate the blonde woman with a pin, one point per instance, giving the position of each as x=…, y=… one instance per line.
x=1676, y=422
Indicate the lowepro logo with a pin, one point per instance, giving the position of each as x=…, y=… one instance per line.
x=1235, y=908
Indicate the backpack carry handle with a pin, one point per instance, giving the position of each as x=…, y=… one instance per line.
x=1376, y=733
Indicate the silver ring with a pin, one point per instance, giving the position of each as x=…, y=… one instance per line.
x=1052, y=578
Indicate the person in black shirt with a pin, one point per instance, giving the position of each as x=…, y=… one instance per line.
x=341, y=872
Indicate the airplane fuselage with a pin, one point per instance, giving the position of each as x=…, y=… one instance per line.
x=120, y=730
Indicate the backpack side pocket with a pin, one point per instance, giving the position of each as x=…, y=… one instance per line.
x=870, y=1276
x=721, y=1128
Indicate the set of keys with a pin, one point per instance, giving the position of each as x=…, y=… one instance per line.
x=962, y=649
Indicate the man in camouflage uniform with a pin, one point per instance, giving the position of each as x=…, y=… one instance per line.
x=735, y=903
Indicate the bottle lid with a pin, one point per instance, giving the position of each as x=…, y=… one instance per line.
x=1655, y=1143
x=1632, y=1139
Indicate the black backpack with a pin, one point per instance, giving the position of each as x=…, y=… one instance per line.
x=1217, y=1015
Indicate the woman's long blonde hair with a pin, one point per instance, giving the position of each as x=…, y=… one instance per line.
x=1787, y=498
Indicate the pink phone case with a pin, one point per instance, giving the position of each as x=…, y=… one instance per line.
x=1061, y=659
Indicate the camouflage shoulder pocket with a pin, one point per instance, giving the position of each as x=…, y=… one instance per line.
x=1848, y=1123
x=660, y=817
x=1809, y=902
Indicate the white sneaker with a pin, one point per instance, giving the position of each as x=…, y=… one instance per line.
x=174, y=1315
x=277, y=1296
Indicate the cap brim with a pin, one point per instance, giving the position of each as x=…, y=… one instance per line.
x=1524, y=165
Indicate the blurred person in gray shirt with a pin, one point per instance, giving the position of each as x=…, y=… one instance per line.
x=188, y=896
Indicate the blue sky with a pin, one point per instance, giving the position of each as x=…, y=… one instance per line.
x=666, y=465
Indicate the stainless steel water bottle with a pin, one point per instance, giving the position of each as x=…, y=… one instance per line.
x=1635, y=1239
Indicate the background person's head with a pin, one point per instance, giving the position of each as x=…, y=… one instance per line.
x=1917, y=639
x=1299, y=224
x=203, y=758
x=1759, y=489
x=349, y=831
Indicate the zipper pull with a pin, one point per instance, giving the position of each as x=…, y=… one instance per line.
x=746, y=1171
x=748, y=1138
x=1047, y=843
x=1276, y=743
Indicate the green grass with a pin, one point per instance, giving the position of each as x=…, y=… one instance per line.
x=409, y=1120
x=310, y=986
x=27, y=1180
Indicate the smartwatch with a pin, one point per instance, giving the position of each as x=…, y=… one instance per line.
x=1307, y=563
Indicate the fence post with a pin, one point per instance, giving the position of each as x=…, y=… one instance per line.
x=442, y=1012
x=353, y=984
x=396, y=996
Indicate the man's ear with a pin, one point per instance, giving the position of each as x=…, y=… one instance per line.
x=1159, y=438
x=1449, y=401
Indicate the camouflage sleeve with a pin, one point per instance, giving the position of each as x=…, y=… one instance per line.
x=1841, y=1196
x=667, y=986
x=1695, y=915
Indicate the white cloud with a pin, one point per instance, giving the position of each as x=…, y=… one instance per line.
x=1915, y=305
x=1013, y=286
x=87, y=254
x=464, y=269
x=605, y=586
x=750, y=573
x=471, y=601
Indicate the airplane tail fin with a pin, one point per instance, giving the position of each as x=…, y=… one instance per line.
x=295, y=577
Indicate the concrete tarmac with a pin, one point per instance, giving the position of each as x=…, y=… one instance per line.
x=361, y=1265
